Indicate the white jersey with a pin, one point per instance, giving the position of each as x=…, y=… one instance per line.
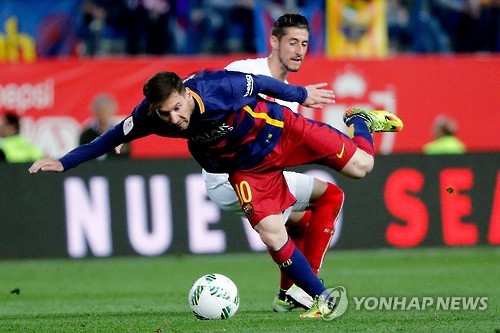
x=217, y=184
x=259, y=66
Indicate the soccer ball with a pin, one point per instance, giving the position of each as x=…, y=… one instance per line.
x=214, y=296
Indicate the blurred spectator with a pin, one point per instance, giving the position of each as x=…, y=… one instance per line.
x=103, y=25
x=221, y=27
x=472, y=25
x=104, y=109
x=242, y=36
x=427, y=33
x=398, y=26
x=149, y=27
x=444, y=26
x=445, y=139
x=15, y=148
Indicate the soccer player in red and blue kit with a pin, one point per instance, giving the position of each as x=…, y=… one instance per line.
x=230, y=129
x=311, y=220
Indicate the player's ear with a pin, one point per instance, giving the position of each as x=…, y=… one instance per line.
x=187, y=92
x=274, y=42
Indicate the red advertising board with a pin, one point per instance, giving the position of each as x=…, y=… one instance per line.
x=54, y=96
x=417, y=89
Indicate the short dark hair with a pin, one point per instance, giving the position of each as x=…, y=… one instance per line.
x=160, y=86
x=289, y=21
x=11, y=118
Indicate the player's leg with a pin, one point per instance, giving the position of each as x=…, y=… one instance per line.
x=220, y=191
x=287, y=256
x=309, y=141
x=301, y=186
x=361, y=124
x=264, y=213
x=283, y=302
x=290, y=260
x=327, y=207
x=320, y=230
x=325, y=201
x=324, y=212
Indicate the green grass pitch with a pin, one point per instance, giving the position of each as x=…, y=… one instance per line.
x=150, y=294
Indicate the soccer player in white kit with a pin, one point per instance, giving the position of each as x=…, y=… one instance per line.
x=310, y=221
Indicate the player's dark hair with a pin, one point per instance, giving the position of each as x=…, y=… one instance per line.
x=159, y=87
x=289, y=21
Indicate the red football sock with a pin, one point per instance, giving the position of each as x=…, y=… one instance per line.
x=322, y=225
x=296, y=232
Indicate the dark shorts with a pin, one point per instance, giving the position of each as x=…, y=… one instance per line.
x=262, y=190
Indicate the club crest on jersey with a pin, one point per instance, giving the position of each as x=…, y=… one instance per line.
x=249, y=85
x=248, y=209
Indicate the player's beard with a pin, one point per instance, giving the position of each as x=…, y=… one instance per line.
x=291, y=65
x=182, y=126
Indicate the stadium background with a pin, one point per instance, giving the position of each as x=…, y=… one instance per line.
x=52, y=64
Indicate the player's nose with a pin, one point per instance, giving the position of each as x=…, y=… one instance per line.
x=174, y=118
x=300, y=49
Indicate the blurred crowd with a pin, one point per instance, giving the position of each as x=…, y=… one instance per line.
x=156, y=27
x=444, y=26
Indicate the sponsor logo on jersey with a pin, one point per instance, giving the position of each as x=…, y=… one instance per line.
x=212, y=134
x=249, y=85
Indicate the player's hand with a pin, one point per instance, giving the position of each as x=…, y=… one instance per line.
x=47, y=164
x=118, y=149
x=317, y=96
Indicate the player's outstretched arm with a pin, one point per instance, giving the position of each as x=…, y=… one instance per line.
x=47, y=164
x=317, y=95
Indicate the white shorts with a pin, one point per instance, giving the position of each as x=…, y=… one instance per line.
x=220, y=191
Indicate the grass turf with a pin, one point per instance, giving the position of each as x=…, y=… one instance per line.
x=150, y=294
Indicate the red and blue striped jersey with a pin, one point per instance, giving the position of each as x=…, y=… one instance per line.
x=230, y=129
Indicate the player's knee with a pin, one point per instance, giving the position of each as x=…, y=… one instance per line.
x=273, y=242
x=272, y=232
x=360, y=164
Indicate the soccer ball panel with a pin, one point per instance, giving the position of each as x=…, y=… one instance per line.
x=214, y=296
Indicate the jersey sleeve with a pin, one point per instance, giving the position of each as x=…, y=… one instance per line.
x=133, y=127
x=247, y=86
x=100, y=146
